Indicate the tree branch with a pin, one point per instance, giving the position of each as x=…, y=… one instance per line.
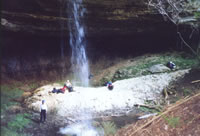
x=187, y=44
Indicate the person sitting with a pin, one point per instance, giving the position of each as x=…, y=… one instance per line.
x=62, y=90
x=69, y=86
x=109, y=85
x=171, y=65
x=54, y=90
x=90, y=76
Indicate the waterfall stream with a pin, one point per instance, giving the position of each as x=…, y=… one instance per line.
x=79, y=59
x=79, y=65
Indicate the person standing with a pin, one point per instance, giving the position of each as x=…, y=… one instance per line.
x=43, y=111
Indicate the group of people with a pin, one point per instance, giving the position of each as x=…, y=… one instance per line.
x=67, y=86
x=43, y=106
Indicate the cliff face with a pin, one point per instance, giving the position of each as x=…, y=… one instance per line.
x=102, y=17
x=36, y=31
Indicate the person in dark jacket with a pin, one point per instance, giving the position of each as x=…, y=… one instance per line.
x=62, y=90
x=110, y=85
x=54, y=90
x=171, y=65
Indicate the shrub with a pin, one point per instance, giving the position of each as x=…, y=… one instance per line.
x=8, y=132
x=172, y=121
x=7, y=95
x=109, y=128
x=19, y=122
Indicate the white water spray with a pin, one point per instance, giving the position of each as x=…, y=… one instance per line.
x=77, y=42
x=80, y=129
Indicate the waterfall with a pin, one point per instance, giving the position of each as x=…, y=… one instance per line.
x=79, y=66
x=79, y=59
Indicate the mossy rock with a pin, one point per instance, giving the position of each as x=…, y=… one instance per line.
x=104, y=80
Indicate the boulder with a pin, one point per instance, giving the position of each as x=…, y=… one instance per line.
x=158, y=68
x=15, y=109
x=26, y=94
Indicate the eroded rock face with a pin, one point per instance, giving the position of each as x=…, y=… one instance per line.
x=113, y=28
x=103, y=17
x=37, y=28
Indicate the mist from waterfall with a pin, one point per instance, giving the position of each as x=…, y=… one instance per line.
x=79, y=59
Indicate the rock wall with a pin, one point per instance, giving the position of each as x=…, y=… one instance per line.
x=103, y=17
x=38, y=28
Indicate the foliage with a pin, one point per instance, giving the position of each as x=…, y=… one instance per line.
x=172, y=121
x=13, y=124
x=19, y=122
x=109, y=128
x=7, y=96
x=8, y=132
x=174, y=9
x=179, y=11
x=146, y=109
x=170, y=8
x=175, y=99
x=186, y=92
x=104, y=80
x=197, y=14
x=182, y=61
x=33, y=85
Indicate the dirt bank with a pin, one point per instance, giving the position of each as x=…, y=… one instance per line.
x=179, y=119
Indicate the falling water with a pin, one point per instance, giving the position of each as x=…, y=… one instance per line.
x=79, y=64
x=77, y=42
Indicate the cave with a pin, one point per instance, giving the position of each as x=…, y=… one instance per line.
x=35, y=36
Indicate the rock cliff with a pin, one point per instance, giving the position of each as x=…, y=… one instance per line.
x=102, y=17
x=35, y=32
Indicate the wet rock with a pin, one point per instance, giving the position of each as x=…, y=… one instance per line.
x=26, y=94
x=122, y=73
x=20, y=99
x=15, y=109
x=159, y=68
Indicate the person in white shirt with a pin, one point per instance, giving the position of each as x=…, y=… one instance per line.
x=69, y=86
x=43, y=110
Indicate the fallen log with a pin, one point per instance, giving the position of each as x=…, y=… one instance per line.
x=195, y=81
x=158, y=108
